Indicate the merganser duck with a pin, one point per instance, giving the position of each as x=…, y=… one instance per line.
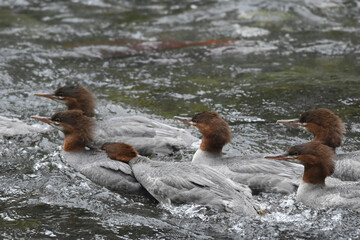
x=318, y=161
x=78, y=131
x=75, y=98
x=260, y=176
x=176, y=183
x=328, y=129
x=147, y=136
x=185, y=183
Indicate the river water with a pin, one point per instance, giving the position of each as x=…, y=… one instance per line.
x=251, y=61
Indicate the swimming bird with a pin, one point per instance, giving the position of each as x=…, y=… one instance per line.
x=74, y=97
x=179, y=183
x=147, y=136
x=318, y=161
x=97, y=166
x=176, y=183
x=328, y=128
x=260, y=176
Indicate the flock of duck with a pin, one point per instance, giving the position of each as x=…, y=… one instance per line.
x=113, y=153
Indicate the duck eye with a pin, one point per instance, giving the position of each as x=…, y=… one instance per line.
x=296, y=153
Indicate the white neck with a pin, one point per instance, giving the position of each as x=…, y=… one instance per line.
x=207, y=158
x=308, y=192
x=304, y=186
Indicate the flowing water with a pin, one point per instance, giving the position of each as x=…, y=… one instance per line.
x=251, y=61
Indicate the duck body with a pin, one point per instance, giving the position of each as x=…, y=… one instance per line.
x=251, y=170
x=97, y=167
x=148, y=137
x=316, y=189
x=188, y=183
x=342, y=194
x=328, y=129
x=347, y=166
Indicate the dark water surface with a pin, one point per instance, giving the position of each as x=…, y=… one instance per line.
x=252, y=61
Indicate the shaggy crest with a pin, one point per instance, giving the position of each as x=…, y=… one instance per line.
x=216, y=131
x=77, y=127
x=77, y=97
x=317, y=158
x=325, y=125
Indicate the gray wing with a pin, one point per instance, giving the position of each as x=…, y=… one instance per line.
x=96, y=166
x=342, y=194
x=351, y=191
x=262, y=175
x=147, y=136
x=347, y=166
x=184, y=183
x=117, y=166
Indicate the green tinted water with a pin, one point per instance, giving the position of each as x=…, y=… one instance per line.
x=273, y=60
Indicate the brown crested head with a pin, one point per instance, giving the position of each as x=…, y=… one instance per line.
x=327, y=127
x=317, y=158
x=77, y=127
x=119, y=151
x=215, y=130
x=77, y=97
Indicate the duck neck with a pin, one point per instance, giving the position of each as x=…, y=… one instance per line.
x=305, y=192
x=204, y=157
x=331, y=137
x=88, y=107
x=328, y=141
x=211, y=145
x=73, y=104
x=73, y=143
x=313, y=175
